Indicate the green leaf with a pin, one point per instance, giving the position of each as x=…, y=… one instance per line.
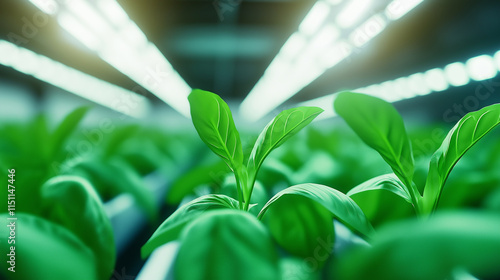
x=280, y=129
x=381, y=127
x=215, y=126
x=226, y=245
x=387, y=182
x=467, y=132
x=302, y=227
x=66, y=127
x=340, y=205
x=73, y=203
x=195, y=177
x=45, y=250
x=170, y=229
x=429, y=249
x=116, y=177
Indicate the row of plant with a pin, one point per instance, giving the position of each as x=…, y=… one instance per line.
x=63, y=175
x=262, y=230
x=263, y=227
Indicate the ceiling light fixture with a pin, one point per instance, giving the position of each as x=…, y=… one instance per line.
x=323, y=40
x=106, y=29
x=455, y=74
x=74, y=81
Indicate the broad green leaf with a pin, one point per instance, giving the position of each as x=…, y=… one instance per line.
x=45, y=250
x=281, y=128
x=429, y=249
x=170, y=229
x=116, y=177
x=340, y=205
x=387, y=182
x=118, y=137
x=73, y=203
x=381, y=127
x=215, y=126
x=195, y=177
x=226, y=245
x=65, y=128
x=467, y=132
x=302, y=227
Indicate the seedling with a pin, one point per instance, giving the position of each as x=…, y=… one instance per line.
x=312, y=206
x=381, y=127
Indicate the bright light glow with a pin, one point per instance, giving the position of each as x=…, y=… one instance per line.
x=402, y=89
x=352, y=13
x=314, y=19
x=481, y=67
x=333, y=2
x=387, y=91
x=398, y=8
x=433, y=80
x=293, y=45
x=456, y=74
x=304, y=58
x=114, y=12
x=89, y=17
x=74, y=27
x=336, y=54
x=47, y=6
x=368, y=30
x=72, y=80
x=497, y=60
x=106, y=29
x=323, y=39
x=418, y=85
x=436, y=80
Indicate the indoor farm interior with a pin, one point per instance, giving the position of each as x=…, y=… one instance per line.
x=250, y=139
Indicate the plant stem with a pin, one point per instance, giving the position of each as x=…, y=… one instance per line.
x=415, y=196
x=252, y=182
x=239, y=189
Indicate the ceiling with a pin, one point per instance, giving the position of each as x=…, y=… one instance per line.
x=225, y=45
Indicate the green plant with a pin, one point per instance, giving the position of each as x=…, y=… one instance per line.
x=380, y=126
x=301, y=213
x=445, y=245
x=70, y=238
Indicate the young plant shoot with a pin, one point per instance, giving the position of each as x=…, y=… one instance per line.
x=214, y=123
x=381, y=127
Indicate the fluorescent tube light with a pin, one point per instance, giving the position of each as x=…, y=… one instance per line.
x=456, y=74
x=368, y=30
x=481, y=67
x=107, y=30
x=398, y=8
x=72, y=80
x=47, y=6
x=311, y=51
x=352, y=13
x=497, y=60
x=315, y=18
x=434, y=80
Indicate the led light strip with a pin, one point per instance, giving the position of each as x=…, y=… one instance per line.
x=455, y=74
x=105, y=28
x=72, y=80
x=316, y=47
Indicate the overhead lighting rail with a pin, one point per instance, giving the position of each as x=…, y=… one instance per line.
x=455, y=74
x=74, y=81
x=323, y=39
x=105, y=28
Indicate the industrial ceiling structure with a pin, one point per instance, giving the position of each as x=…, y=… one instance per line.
x=262, y=54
